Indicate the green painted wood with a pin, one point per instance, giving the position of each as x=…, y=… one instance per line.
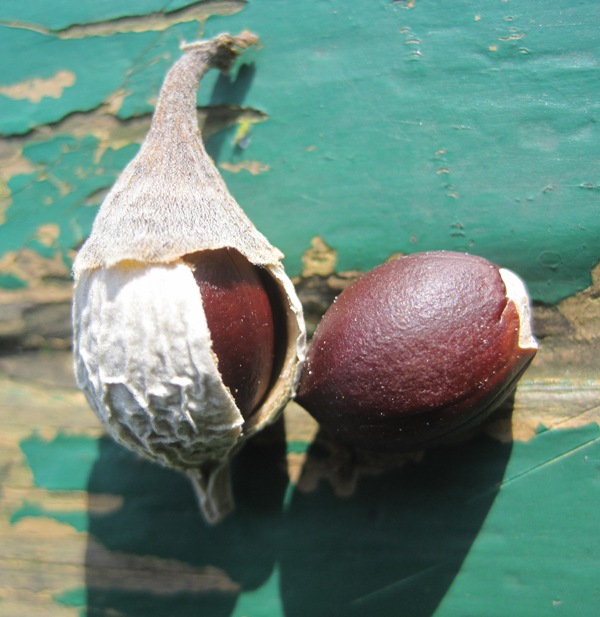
x=471, y=126
x=467, y=531
x=463, y=125
x=390, y=126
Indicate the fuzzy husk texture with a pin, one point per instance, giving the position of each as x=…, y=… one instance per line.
x=171, y=200
x=142, y=348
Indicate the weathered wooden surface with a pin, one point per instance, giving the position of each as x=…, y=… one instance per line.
x=404, y=126
x=87, y=528
x=362, y=130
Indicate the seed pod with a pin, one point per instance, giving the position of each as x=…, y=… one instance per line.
x=418, y=350
x=188, y=335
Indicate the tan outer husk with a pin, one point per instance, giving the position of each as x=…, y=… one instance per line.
x=170, y=202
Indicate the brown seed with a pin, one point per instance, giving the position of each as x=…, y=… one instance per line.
x=417, y=350
x=241, y=323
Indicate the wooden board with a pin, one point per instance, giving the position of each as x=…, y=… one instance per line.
x=371, y=129
x=87, y=528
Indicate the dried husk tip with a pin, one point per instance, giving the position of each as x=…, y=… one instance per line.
x=142, y=348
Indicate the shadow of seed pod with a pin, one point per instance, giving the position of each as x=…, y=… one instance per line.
x=150, y=554
x=188, y=334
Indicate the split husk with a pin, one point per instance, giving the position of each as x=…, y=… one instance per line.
x=142, y=347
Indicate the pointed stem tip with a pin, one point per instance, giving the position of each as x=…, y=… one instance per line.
x=212, y=486
x=176, y=105
x=223, y=48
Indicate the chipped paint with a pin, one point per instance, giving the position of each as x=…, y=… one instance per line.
x=156, y=21
x=253, y=167
x=33, y=269
x=37, y=89
x=75, y=162
x=319, y=259
x=323, y=189
x=477, y=487
x=348, y=142
x=583, y=311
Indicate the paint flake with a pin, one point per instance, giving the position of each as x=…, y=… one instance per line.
x=39, y=88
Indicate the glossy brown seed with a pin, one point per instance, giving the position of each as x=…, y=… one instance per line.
x=241, y=323
x=417, y=350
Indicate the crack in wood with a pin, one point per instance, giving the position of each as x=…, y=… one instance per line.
x=160, y=20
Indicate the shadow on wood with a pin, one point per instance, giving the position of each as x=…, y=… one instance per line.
x=153, y=555
x=394, y=546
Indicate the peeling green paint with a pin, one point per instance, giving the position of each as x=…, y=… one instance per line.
x=360, y=127
x=62, y=463
x=133, y=63
x=78, y=519
x=66, y=175
x=71, y=22
x=473, y=529
x=469, y=530
x=72, y=597
x=467, y=127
